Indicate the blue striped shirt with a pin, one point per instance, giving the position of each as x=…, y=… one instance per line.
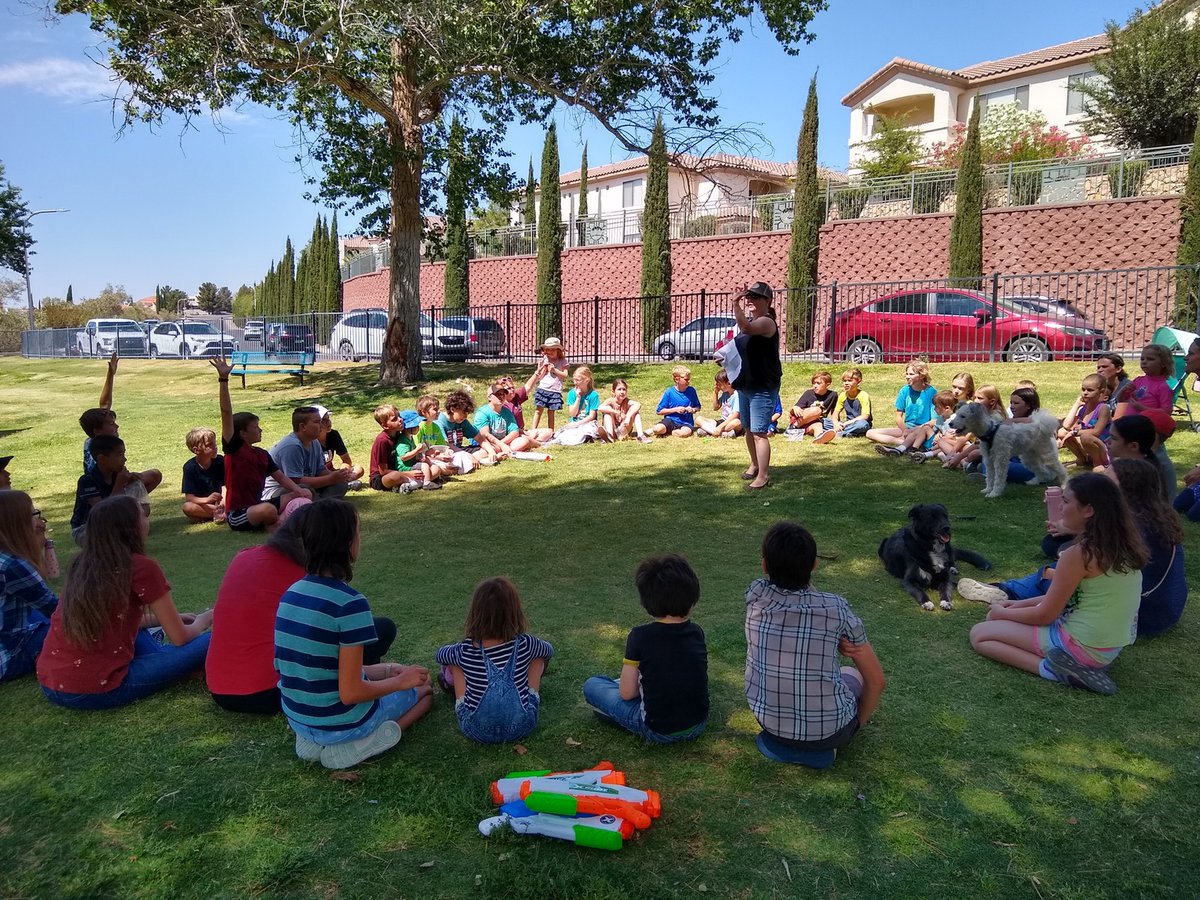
x=317, y=617
x=23, y=593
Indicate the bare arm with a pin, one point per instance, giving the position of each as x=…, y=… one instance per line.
x=106, y=392
x=1067, y=575
x=223, y=369
x=871, y=671
x=355, y=687
x=172, y=623
x=631, y=687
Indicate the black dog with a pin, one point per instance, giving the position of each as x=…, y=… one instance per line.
x=920, y=555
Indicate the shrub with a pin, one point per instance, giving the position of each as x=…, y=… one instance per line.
x=701, y=226
x=850, y=202
x=1025, y=187
x=1127, y=183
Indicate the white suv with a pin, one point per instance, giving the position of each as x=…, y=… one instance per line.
x=188, y=339
x=360, y=334
x=100, y=337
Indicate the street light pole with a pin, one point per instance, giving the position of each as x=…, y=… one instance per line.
x=28, y=286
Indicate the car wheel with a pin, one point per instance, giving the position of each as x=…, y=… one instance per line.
x=346, y=351
x=666, y=350
x=863, y=352
x=185, y=351
x=1027, y=349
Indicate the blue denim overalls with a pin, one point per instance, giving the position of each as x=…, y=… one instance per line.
x=500, y=717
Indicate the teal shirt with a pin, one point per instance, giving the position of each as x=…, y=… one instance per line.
x=498, y=423
x=591, y=403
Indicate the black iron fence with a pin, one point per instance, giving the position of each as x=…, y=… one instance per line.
x=1015, y=318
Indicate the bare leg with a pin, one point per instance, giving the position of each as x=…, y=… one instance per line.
x=1008, y=642
x=761, y=449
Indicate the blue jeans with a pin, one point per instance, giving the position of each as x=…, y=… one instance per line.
x=389, y=706
x=603, y=694
x=856, y=429
x=24, y=659
x=1017, y=472
x=1032, y=585
x=756, y=409
x=1187, y=501
x=154, y=667
x=500, y=717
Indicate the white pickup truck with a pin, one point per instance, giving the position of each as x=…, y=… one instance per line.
x=100, y=337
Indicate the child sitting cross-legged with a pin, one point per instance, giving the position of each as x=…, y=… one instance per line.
x=417, y=459
x=204, y=478
x=678, y=406
x=812, y=414
x=662, y=695
x=621, y=415
x=852, y=414
x=583, y=407
x=808, y=704
x=728, y=421
x=496, y=670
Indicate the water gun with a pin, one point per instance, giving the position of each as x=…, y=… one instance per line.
x=508, y=788
x=602, y=832
x=531, y=456
x=647, y=802
x=574, y=805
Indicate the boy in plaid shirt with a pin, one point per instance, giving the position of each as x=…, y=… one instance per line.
x=807, y=703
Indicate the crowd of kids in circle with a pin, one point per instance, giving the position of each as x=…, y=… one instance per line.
x=288, y=633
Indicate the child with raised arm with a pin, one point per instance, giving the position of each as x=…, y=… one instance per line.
x=341, y=711
x=728, y=421
x=496, y=671
x=102, y=420
x=852, y=414
x=247, y=466
x=678, y=406
x=551, y=370
x=204, y=478
x=1073, y=633
x=662, y=694
x=515, y=401
x=808, y=705
x=1085, y=429
x=621, y=415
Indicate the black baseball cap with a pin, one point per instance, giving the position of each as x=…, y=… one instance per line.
x=4, y=461
x=761, y=289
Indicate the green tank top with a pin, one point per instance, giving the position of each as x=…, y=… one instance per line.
x=1102, y=613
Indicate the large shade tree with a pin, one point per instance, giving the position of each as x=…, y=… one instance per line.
x=371, y=84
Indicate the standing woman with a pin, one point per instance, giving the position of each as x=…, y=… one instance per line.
x=26, y=602
x=758, y=381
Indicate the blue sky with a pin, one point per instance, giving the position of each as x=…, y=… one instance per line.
x=175, y=206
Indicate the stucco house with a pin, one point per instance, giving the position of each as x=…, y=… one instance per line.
x=934, y=100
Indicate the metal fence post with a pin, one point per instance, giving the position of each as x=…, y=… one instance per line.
x=596, y=329
x=912, y=193
x=995, y=299
x=1121, y=176
x=833, y=321
x=703, y=323
x=508, y=329
x=1009, y=202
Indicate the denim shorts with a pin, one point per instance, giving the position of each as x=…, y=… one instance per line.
x=546, y=399
x=391, y=706
x=757, y=408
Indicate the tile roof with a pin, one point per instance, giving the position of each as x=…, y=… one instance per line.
x=1047, y=57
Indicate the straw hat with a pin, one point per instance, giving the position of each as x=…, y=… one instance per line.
x=552, y=343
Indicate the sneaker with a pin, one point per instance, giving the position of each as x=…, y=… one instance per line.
x=487, y=462
x=355, y=485
x=888, y=450
x=796, y=436
x=1066, y=668
x=351, y=753
x=970, y=589
x=407, y=488
x=445, y=680
x=645, y=439
x=309, y=751
x=825, y=436
x=918, y=456
x=431, y=486
x=972, y=466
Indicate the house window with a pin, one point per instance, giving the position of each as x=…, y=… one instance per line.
x=1076, y=99
x=632, y=193
x=1017, y=95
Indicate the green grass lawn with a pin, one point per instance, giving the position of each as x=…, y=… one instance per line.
x=972, y=779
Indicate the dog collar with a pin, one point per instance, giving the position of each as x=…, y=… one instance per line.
x=988, y=436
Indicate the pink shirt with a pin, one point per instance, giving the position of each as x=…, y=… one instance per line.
x=1152, y=392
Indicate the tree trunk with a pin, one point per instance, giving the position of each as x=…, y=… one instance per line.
x=401, y=362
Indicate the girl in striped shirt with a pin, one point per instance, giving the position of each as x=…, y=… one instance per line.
x=497, y=668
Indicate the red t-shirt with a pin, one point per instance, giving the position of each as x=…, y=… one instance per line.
x=383, y=453
x=246, y=470
x=241, y=655
x=101, y=667
x=513, y=404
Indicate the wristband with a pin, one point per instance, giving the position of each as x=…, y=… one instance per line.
x=222, y=380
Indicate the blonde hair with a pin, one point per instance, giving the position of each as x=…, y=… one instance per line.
x=17, y=535
x=1165, y=361
x=587, y=373
x=823, y=375
x=919, y=366
x=855, y=372
x=992, y=395
x=1095, y=382
x=968, y=381
x=680, y=371
x=383, y=413
x=197, y=437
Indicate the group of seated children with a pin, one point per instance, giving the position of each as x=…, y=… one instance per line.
x=824, y=414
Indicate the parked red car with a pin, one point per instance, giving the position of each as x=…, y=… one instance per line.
x=950, y=324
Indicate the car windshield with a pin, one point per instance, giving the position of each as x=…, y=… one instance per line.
x=198, y=328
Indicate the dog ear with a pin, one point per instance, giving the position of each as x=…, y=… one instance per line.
x=939, y=506
x=914, y=512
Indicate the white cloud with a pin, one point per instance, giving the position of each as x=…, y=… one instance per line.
x=60, y=78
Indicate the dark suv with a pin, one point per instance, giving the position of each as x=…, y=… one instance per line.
x=283, y=337
x=485, y=337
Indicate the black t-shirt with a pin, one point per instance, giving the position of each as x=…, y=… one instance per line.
x=828, y=402
x=761, y=368
x=89, y=485
x=203, y=482
x=673, y=661
x=334, y=444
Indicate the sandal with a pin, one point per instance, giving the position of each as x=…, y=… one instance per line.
x=758, y=487
x=749, y=476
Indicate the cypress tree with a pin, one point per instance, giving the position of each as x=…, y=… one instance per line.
x=530, y=217
x=71, y=297
x=287, y=280
x=1184, y=313
x=806, y=230
x=333, y=272
x=656, y=243
x=966, y=234
x=583, y=199
x=457, y=293
x=549, y=244
x=302, y=278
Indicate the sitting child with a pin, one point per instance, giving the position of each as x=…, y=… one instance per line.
x=461, y=434
x=102, y=420
x=914, y=408
x=678, y=405
x=496, y=670
x=620, y=415
x=935, y=440
x=662, y=695
x=204, y=478
x=1085, y=429
x=342, y=711
x=334, y=447
x=807, y=705
x=852, y=414
x=497, y=425
x=812, y=414
x=583, y=407
x=416, y=460
x=728, y=422
x=247, y=466
x=108, y=476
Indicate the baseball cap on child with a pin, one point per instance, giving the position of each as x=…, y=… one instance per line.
x=322, y=412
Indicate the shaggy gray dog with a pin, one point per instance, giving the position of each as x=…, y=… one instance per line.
x=999, y=441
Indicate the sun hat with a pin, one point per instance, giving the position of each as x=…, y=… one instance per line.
x=761, y=289
x=551, y=343
x=411, y=418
